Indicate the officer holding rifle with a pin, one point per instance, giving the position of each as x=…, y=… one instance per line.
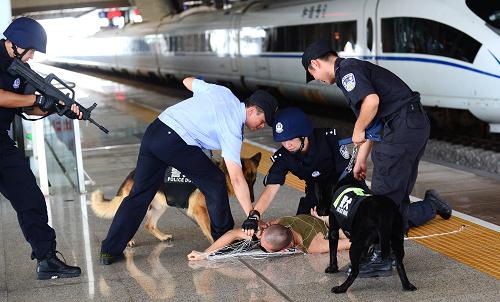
x=17, y=182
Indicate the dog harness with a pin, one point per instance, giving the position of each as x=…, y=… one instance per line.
x=177, y=188
x=346, y=201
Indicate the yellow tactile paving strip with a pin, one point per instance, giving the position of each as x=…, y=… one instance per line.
x=475, y=246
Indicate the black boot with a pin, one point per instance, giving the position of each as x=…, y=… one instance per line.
x=375, y=265
x=51, y=268
x=107, y=259
x=443, y=209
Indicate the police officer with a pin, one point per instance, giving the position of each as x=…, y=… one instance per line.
x=212, y=119
x=17, y=182
x=375, y=93
x=311, y=154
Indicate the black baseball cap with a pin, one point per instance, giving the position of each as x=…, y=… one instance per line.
x=315, y=50
x=266, y=102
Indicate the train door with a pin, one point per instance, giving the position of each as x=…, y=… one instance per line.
x=370, y=30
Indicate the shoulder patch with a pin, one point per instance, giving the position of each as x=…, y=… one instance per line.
x=349, y=82
x=17, y=83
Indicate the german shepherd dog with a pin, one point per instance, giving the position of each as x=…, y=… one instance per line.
x=195, y=203
x=377, y=217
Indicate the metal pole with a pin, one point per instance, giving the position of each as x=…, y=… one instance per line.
x=38, y=139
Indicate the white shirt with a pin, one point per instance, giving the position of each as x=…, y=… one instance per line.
x=212, y=119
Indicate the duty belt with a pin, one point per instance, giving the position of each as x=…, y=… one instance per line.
x=411, y=104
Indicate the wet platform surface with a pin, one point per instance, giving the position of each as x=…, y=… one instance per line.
x=159, y=271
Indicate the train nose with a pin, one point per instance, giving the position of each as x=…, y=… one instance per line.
x=485, y=104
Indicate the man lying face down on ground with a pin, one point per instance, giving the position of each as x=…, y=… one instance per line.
x=305, y=232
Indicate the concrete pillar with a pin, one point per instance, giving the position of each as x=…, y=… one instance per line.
x=154, y=10
x=5, y=15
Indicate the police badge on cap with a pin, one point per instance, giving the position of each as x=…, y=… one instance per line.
x=279, y=127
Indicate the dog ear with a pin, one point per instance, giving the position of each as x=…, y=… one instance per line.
x=256, y=158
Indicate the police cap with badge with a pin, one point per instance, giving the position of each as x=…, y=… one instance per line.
x=290, y=123
x=314, y=51
x=266, y=102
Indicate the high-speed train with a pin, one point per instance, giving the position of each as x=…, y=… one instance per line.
x=448, y=50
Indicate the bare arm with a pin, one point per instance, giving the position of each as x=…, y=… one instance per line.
x=321, y=245
x=360, y=167
x=369, y=108
x=240, y=185
x=227, y=239
x=223, y=241
x=13, y=100
x=266, y=198
x=364, y=151
x=188, y=82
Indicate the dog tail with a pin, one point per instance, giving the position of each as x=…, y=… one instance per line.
x=103, y=207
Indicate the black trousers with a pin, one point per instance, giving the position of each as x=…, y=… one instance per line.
x=396, y=158
x=18, y=185
x=162, y=147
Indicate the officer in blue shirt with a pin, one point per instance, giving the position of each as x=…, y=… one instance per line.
x=17, y=182
x=375, y=93
x=311, y=154
x=212, y=119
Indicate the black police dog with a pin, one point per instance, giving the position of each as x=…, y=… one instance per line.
x=377, y=217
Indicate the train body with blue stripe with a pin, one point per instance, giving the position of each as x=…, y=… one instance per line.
x=447, y=50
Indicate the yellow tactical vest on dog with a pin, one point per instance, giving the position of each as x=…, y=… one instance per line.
x=346, y=201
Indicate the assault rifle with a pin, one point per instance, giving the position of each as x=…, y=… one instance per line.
x=45, y=87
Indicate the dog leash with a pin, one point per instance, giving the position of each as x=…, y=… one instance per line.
x=463, y=227
x=352, y=161
x=372, y=133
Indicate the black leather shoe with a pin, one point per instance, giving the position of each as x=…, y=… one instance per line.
x=107, y=259
x=52, y=268
x=375, y=266
x=443, y=209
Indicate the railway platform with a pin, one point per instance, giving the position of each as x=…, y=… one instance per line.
x=462, y=263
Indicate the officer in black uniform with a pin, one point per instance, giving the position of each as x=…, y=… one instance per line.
x=17, y=182
x=375, y=93
x=311, y=154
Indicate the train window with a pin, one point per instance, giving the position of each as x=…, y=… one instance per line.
x=416, y=35
x=252, y=40
x=488, y=10
x=296, y=38
x=369, y=34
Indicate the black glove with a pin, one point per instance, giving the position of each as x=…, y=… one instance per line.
x=252, y=221
x=45, y=103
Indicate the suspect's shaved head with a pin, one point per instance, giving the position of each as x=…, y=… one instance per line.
x=276, y=237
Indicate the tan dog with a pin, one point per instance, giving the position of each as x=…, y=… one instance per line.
x=195, y=200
